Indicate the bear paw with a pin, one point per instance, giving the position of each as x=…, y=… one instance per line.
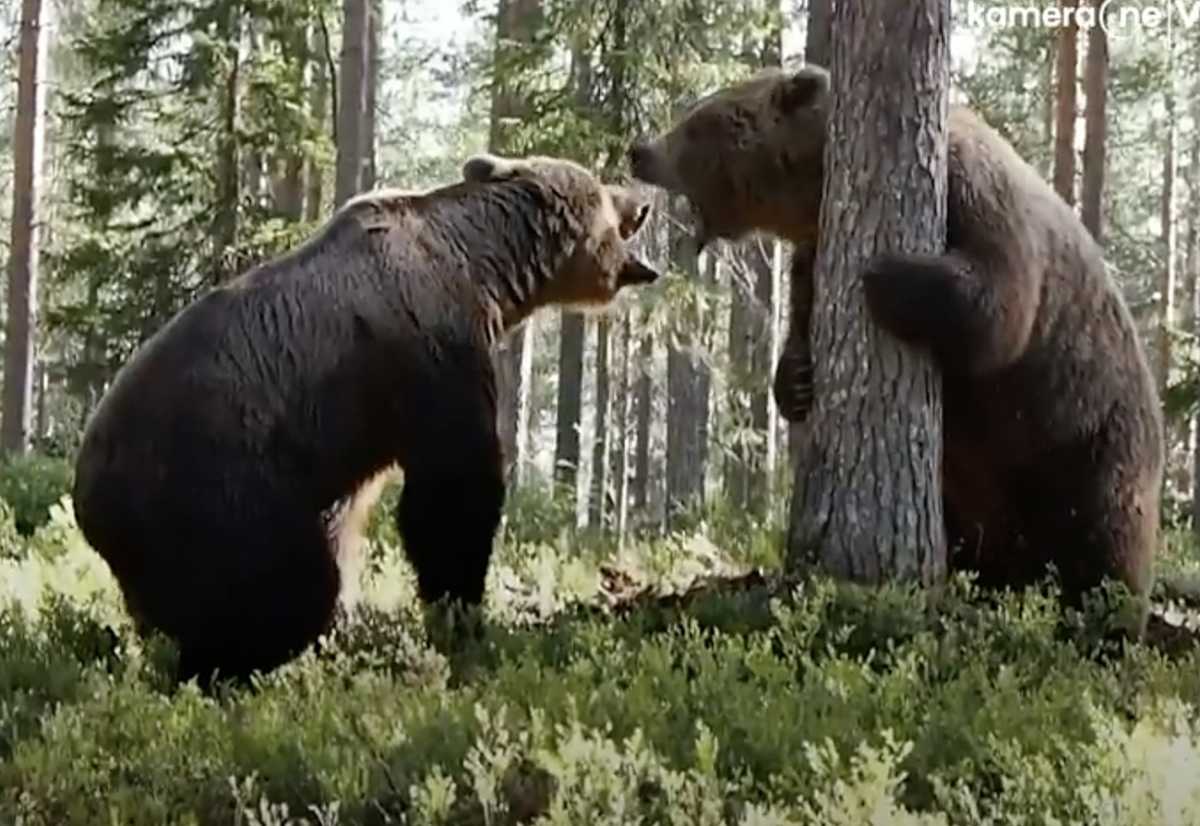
x=897, y=296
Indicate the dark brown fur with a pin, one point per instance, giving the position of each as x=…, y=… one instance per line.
x=226, y=473
x=1053, y=430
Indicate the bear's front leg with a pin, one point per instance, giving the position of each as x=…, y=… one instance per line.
x=793, y=383
x=447, y=520
x=453, y=473
x=974, y=319
x=913, y=296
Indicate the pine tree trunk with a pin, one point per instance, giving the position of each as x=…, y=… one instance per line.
x=740, y=378
x=776, y=427
x=767, y=339
x=41, y=379
x=867, y=504
x=570, y=354
x=613, y=58
x=1168, y=275
x=514, y=374
x=748, y=402
x=644, y=399
x=1192, y=259
x=252, y=175
x=621, y=419
x=319, y=109
x=793, y=379
x=570, y=400
x=688, y=384
x=371, y=102
x=228, y=171
x=1064, y=133
x=290, y=203
x=1095, y=83
x=21, y=323
x=599, y=488
x=253, y=168
x=762, y=265
x=795, y=359
x=817, y=38
x=352, y=100
x=516, y=22
x=289, y=187
x=1050, y=104
x=653, y=241
x=89, y=381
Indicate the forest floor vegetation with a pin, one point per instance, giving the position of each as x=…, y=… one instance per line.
x=674, y=681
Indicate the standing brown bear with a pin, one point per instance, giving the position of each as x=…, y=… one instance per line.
x=225, y=475
x=1053, y=433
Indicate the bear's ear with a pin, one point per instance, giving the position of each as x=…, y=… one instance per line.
x=802, y=89
x=631, y=210
x=486, y=168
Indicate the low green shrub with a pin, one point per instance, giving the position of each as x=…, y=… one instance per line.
x=31, y=484
x=539, y=513
x=586, y=699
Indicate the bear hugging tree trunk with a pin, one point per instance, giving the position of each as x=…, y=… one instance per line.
x=226, y=474
x=1053, y=430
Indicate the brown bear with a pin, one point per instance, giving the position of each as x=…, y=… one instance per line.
x=1053, y=434
x=225, y=474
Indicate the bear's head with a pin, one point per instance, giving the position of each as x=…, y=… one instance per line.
x=748, y=157
x=597, y=219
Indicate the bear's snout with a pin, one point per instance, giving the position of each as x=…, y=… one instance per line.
x=634, y=272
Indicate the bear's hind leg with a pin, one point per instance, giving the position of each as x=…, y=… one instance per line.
x=1099, y=530
x=277, y=595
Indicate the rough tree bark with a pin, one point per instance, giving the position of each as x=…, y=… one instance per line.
x=21, y=324
x=319, y=108
x=762, y=354
x=736, y=471
x=766, y=340
x=867, y=504
x=776, y=425
x=42, y=381
x=1168, y=274
x=570, y=353
x=250, y=156
x=751, y=302
x=225, y=223
x=1049, y=104
x=816, y=40
x=352, y=100
x=570, y=400
x=371, y=93
x=688, y=384
x=621, y=418
x=793, y=371
x=644, y=400
x=516, y=23
x=289, y=184
x=651, y=241
x=599, y=487
x=1064, y=131
x=1192, y=259
x=751, y=310
x=1095, y=86
x=614, y=59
